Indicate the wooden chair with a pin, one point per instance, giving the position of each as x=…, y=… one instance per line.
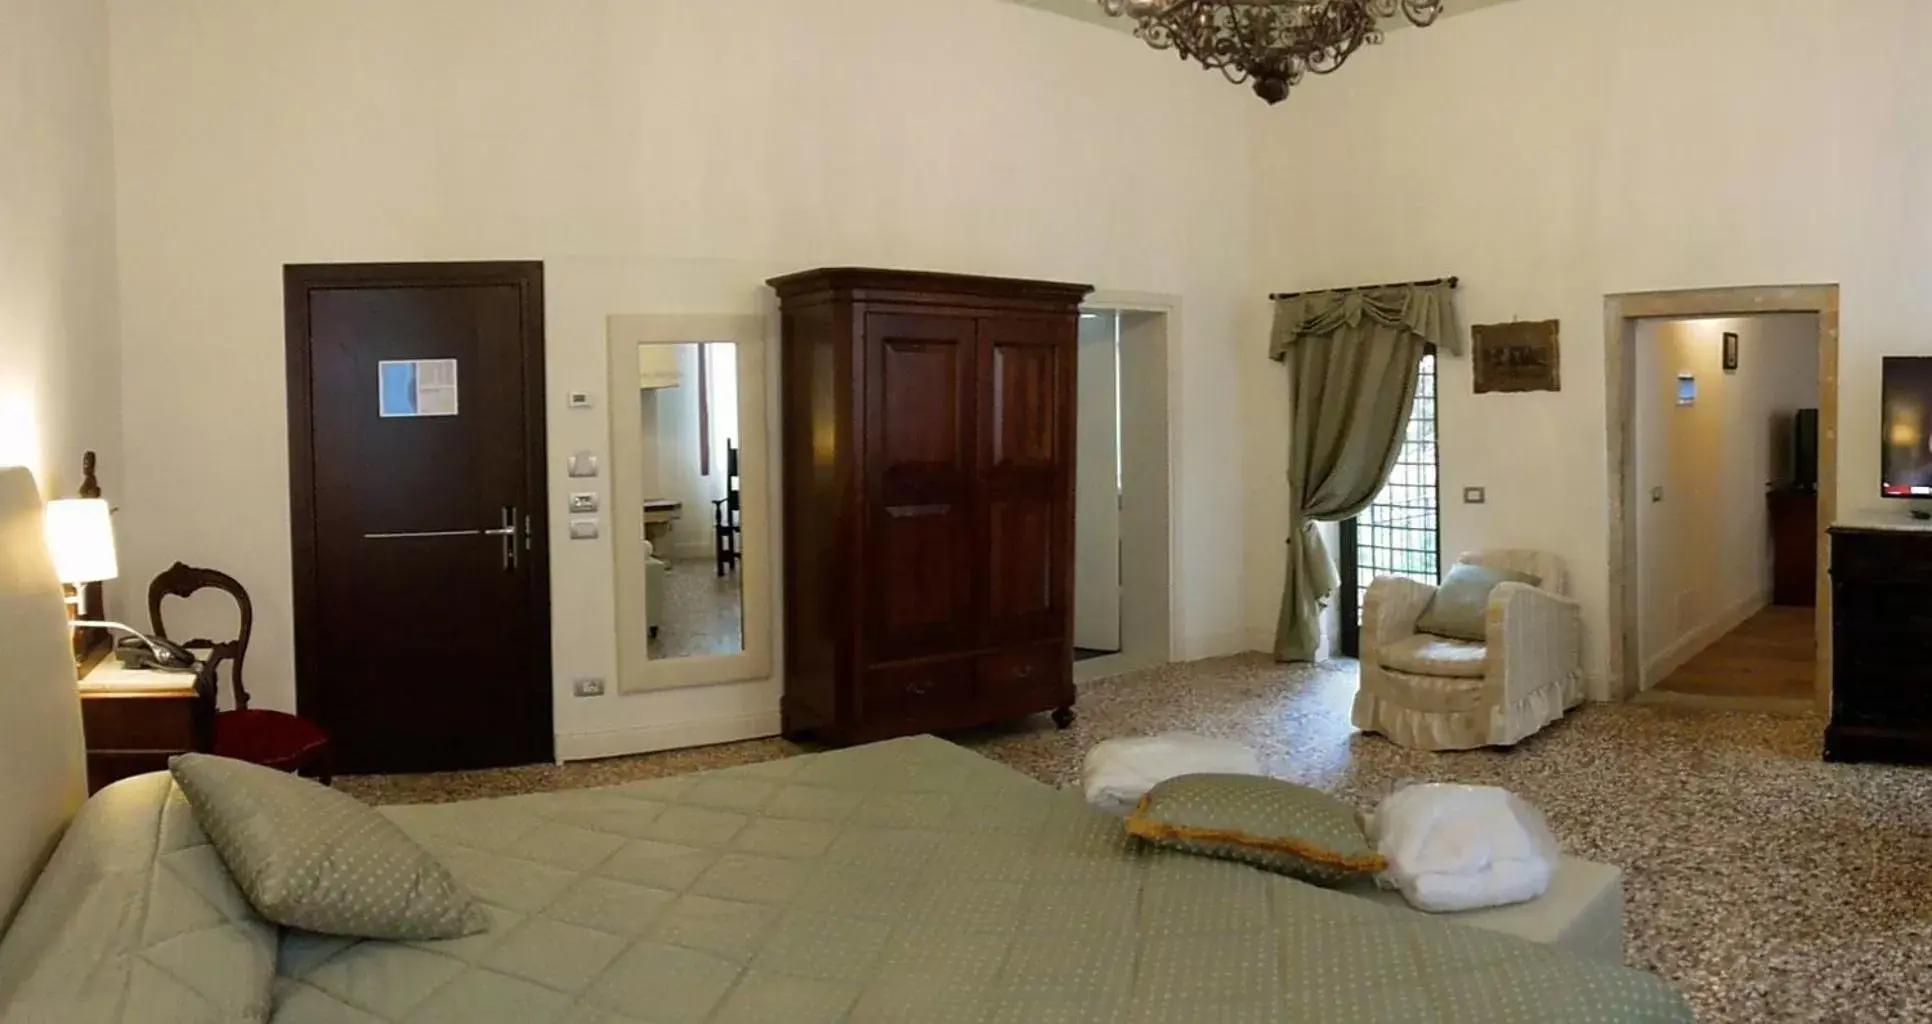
x=727, y=516
x=272, y=738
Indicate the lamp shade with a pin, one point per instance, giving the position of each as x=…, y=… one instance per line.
x=81, y=537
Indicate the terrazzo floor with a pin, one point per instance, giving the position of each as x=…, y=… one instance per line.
x=1764, y=883
x=702, y=613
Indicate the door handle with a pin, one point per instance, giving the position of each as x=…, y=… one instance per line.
x=508, y=532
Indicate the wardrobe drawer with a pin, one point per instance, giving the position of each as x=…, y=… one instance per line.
x=1023, y=671
x=908, y=691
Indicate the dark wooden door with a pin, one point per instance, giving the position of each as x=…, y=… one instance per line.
x=1026, y=412
x=421, y=569
x=919, y=446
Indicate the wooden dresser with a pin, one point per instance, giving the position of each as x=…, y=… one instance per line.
x=928, y=501
x=135, y=720
x=1794, y=547
x=1881, y=586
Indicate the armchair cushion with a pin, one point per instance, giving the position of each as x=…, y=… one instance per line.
x=1462, y=602
x=1426, y=655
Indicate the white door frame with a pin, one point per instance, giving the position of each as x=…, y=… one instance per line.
x=1096, y=489
x=1620, y=315
x=1149, y=575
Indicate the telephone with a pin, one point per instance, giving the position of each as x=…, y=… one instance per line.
x=145, y=652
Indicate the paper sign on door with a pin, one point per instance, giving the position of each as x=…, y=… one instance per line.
x=416, y=387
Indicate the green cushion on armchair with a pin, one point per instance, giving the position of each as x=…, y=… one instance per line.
x=1460, y=603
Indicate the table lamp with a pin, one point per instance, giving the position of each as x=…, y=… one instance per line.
x=80, y=535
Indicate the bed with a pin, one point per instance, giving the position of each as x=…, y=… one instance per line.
x=906, y=881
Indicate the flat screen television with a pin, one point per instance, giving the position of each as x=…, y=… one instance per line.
x=1905, y=459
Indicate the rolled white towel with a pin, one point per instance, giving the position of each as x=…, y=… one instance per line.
x=1454, y=848
x=1119, y=772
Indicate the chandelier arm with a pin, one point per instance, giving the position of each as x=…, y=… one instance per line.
x=1272, y=43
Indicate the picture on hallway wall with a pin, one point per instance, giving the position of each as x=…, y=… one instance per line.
x=1730, y=352
x=1518, y=357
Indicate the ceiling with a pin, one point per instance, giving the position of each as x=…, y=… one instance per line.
x=1089, y=11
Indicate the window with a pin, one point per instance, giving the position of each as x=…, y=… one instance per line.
x=1400, y=533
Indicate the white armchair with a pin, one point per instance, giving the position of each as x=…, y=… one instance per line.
x=1435, y=693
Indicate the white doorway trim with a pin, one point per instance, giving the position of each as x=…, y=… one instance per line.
x=1149, y=409
x=1620, y=314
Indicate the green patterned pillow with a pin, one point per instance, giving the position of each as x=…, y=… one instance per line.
x=1269, y=823
x=309, y=857
x=1461, y=604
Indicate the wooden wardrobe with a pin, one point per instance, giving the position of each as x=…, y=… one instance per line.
x=928, y=501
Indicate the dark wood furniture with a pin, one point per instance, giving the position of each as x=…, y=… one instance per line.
x=133, y=732
x=1794, y=547
x=727, y=516
x=1881, y=686
x=273, y=738
x=928, y=501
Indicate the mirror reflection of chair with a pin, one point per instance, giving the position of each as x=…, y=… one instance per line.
x=726, y=515
x=275, y=739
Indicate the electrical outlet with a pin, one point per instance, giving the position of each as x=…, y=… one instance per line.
x=1656, y=495
x=588, y=688
x=583, y=501
x=1475, y=495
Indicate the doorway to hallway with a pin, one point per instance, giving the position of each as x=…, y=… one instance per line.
x=1723, y=438
x=1122, y=572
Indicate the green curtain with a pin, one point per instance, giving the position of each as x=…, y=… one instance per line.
x=1353, y=360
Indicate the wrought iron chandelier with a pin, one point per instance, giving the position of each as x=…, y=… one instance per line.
x=1273, y=43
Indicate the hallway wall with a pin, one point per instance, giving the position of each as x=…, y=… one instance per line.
x=1704, y=551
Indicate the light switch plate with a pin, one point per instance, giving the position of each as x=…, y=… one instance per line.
x=1656, y=495
x=1475, y=495
x=583, y=529
x=580, y=400
x=588, y=688
x=583, y=465
x=583, y=501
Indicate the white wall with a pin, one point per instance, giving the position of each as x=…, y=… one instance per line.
x=662, y=157
x=1704, y=550
x=1552, y=152
x=59, y=374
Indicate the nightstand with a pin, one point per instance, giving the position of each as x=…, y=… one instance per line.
x=136, y=719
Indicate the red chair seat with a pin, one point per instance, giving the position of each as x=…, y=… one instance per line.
x=273, y=738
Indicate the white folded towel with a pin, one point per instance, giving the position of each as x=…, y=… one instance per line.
x=1119, y=772
x=1454, y=848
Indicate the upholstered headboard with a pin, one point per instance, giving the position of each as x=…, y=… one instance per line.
x=43, y=764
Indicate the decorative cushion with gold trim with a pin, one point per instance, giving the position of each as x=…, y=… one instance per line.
x=1269, y=823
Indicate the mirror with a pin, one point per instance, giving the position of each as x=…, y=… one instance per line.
x=692, y=500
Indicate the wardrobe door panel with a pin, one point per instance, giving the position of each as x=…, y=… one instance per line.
x=920, y=436
x=1026, y=509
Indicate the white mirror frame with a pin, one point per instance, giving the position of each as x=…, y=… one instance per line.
x=636, y=671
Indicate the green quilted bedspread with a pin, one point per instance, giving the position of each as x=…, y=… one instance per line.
x=909, y=881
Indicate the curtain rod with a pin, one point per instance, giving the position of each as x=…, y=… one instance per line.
x=1450, y=281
